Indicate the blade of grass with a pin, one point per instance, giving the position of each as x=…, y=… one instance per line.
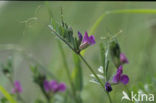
x=67, y=70
x=7, y=95
x=77, y=77
x=139, y=11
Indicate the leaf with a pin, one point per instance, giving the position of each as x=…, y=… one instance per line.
x=106, y=60
x=102, y=51
x=77, y=73
x=7, y=95
x=4, y=100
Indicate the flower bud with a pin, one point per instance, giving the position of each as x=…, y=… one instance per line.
x=108, y=87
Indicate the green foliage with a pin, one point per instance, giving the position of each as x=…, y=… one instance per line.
x=7, y=95
x=37, y=76
x=77, y=73
x=4, y=100
x=105, y=58
x=65, y=33
x=7, y=68
x=102, y=52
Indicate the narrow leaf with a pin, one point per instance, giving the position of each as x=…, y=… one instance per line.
x=77, y=73
x=7, y=95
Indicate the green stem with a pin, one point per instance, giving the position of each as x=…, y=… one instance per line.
x=98, y=21
x=109, y=97
x=140, y=11
x=90, y=68
x=67, y=71
x=45, y=94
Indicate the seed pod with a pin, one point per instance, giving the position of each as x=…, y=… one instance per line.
x=115, y=53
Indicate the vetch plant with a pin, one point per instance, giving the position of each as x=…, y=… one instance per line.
x=65, y=33
x=77, y=44
x=48, y=88
x=7, y=70
x=17, y=87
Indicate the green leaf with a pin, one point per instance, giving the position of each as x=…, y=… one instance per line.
x=77, y=73
x=7, y=95
x=102, y=51
x=4, y=100
x=106, y=60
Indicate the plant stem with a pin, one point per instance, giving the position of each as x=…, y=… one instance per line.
x=109, y=97
x=139, y=11
x=90, y=68
x=67, y=71
x=45, y=94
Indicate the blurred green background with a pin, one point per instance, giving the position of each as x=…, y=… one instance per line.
x=24, y=25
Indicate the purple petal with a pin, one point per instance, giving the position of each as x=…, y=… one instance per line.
x=54, y=85
x=120, y=70
x=108, y=87
x=124, y=79
x=46, y=86
x=17, y=87
x=62, y=87
x=92, y=40
x=116, y=78
x=85, y=38
x=123, y=58
x=80, y=36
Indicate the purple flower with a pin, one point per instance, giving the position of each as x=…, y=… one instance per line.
x=54, y=86
x=17, y=87
x=87, y=40
x=119, y=77
x=80, y=36
x=108, y=87
x=62, y=87
x=46, y=86
x=123, y=58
